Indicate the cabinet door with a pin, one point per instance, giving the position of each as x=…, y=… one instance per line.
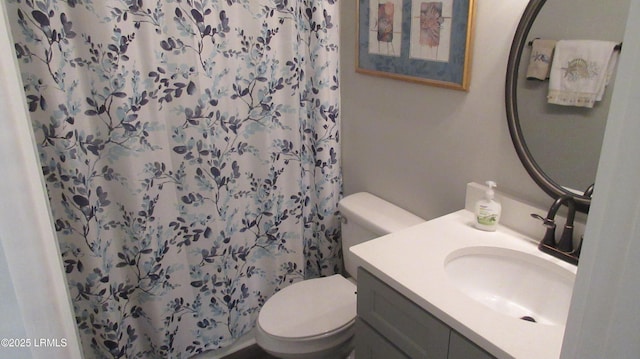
x=461, y=348
x=371, y=345
x=409, y=327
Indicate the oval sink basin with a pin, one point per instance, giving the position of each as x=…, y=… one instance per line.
x=513, y=283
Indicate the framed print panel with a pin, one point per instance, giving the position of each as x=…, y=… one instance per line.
x=426, y=41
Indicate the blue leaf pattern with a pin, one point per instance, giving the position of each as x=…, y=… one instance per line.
x=190, y=150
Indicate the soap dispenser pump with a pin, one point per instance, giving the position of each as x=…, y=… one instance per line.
x=488, y=210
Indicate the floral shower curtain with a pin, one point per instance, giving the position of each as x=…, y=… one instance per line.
x=190, y=152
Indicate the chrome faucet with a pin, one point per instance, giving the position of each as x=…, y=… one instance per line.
x=564, y=247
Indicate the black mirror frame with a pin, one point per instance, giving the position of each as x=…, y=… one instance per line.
x=517, y=46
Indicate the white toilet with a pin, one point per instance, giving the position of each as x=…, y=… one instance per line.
x=314, y=319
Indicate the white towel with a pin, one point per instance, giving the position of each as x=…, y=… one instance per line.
x=540, y=59
x=580, y=72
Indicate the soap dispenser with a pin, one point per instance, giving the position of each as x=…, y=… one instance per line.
x=488, y=210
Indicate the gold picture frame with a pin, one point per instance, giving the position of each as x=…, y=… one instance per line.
x=423, y=41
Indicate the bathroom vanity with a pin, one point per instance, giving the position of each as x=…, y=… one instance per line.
x=391, y=326
x=444, y=289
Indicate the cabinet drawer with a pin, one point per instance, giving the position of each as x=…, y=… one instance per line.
x=403, y=323
x=462, y=348
x=370, y=345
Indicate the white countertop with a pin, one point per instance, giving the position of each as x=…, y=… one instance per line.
x=412, y=262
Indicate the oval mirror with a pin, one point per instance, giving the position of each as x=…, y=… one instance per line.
x=559, y=145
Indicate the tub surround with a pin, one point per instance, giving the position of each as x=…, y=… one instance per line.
x=412, y=262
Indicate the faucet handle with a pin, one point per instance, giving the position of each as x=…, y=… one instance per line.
x=549, y=238
x=576, y=251
x=549, y=223
x=589, y=191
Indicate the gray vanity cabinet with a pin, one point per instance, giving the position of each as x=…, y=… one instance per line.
x=391, y=326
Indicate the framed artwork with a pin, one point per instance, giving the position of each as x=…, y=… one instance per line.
x=425, y=41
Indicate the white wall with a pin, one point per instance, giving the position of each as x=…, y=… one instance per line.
x=604, y=320
x=12, y=324
x=418, y=145
x=33, y=264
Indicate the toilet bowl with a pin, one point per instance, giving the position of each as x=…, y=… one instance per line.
x=314, y=318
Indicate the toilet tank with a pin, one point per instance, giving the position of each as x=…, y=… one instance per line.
x=365, y=217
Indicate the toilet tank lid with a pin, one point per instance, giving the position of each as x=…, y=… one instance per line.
x=377, y=215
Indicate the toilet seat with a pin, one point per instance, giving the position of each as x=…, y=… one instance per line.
x=310, y=319
x=310, y=308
